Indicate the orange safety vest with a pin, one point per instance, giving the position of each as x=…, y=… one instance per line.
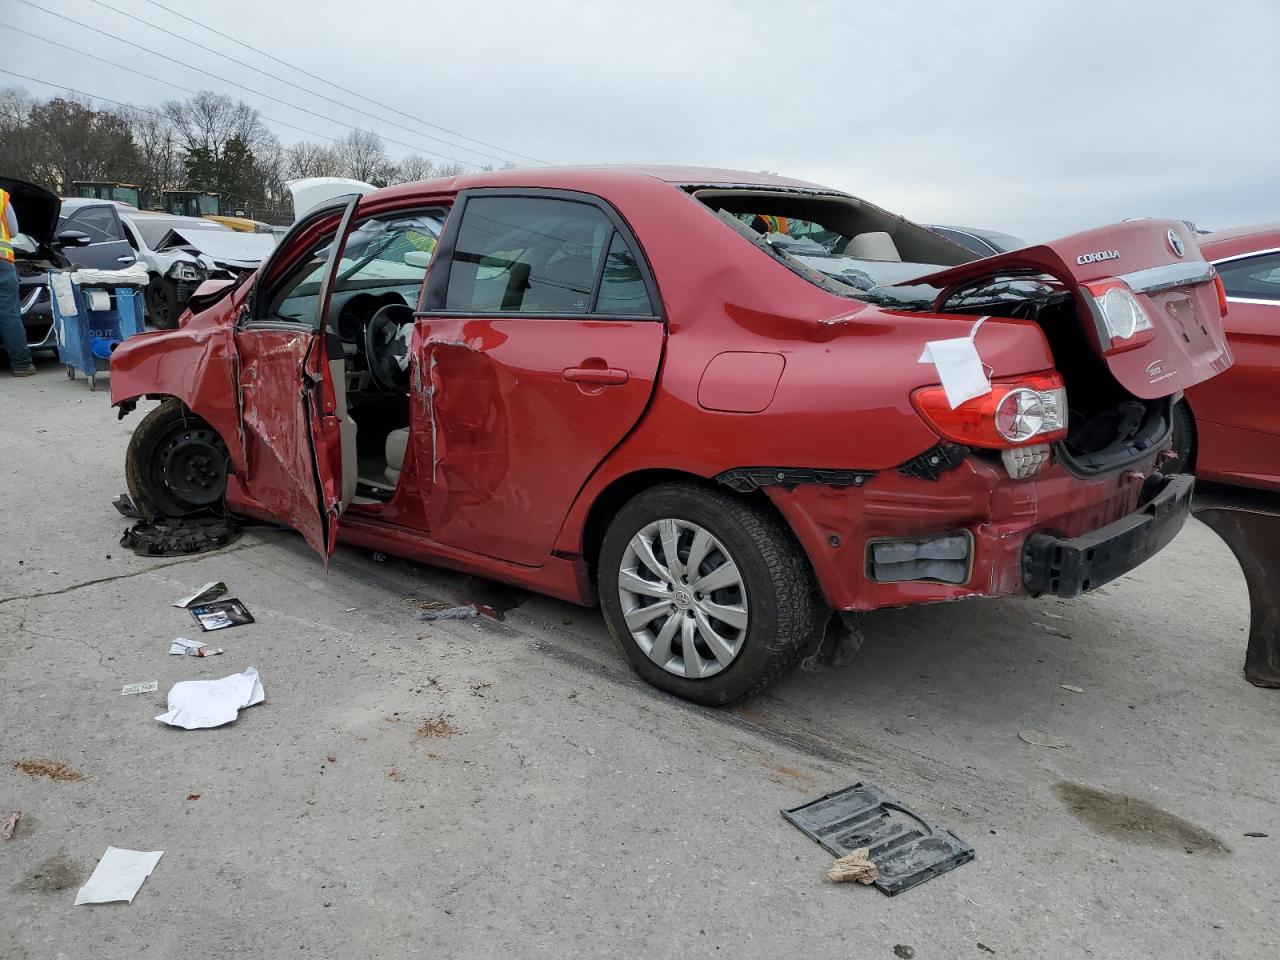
x=6, y=241
x=773, y=223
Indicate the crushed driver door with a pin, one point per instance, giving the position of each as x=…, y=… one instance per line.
x=288, y=407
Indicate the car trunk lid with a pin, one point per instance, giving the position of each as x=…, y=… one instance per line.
x=1147, y=300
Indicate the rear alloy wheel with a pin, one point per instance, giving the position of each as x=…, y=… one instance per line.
x=176, y=463
x=709, y=597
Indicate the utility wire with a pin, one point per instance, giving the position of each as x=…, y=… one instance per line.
x=296, y=86
x=241, y=86
x=361, y=96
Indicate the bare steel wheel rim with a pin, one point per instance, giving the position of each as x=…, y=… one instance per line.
x=683, y=598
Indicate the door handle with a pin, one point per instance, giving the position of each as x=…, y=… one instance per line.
x=608, y=376
x=125, y=259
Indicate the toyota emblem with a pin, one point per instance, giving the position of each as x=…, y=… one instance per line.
x=1176, y=244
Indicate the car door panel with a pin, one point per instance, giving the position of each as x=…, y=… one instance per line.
x=108, y=249
x=512, y=438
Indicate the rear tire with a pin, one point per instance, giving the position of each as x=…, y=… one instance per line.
x=758, y=627
x=176, y=464
x=162, y=303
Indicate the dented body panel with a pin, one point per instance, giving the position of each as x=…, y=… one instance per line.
x=523, y=430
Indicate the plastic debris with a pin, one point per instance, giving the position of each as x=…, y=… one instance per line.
x=124, y=504
x=1038, y=739
x=221, y=614
x=1072, y=687
x=200, y=704
x=10, y=824
x=177, y=536
x=855, y=866
x=140, y=686
x=465, y=612
x=1255, y=834
x=192, y=648
x=118, y=876
x=210, y=591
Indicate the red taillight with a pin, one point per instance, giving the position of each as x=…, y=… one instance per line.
x=1123, y=316
x=1018, y=411
x=1222, y=294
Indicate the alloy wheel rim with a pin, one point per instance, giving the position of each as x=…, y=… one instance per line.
x=683, y=598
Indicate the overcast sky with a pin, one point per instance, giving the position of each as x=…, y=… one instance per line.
x=1036, y=118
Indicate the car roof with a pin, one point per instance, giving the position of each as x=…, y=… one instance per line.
x=79, y=203
x=1240, y=240
x=605, y=179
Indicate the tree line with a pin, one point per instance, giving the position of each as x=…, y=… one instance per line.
x=208, y=142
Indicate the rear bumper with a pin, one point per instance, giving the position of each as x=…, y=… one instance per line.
x=843, y=530
x=1070, y=567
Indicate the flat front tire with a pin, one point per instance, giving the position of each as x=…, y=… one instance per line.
x=709, y=597
x=176, y=463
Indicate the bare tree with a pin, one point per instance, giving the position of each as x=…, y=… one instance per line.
x=159, y=154
x=209, y=121
x=308, y=159
x=17, y=149
x=451, y=169
x=364, y=157
x=413, y=167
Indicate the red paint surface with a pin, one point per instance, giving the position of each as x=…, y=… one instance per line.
x=508, y=454
x=1237, y=416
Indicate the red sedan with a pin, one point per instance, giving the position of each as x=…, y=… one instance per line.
x=723, y=405
x=1226, y=430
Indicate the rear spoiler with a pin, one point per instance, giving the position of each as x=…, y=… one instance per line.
x=1148, y=255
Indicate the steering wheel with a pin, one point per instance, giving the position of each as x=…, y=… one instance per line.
x=386, y=348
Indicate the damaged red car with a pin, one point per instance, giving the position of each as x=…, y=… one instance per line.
x=722, y=405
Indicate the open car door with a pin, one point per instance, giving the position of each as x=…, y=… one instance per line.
x=289, y=415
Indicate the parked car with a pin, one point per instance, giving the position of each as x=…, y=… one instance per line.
x=59, y=233
x=1222, y=431
x=985, y=243
x=626, y=385
x=180, y=253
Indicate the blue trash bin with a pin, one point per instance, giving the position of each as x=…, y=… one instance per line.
x=87, y=338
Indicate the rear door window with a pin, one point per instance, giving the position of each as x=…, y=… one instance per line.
x=1252, y=278
x=99, y=223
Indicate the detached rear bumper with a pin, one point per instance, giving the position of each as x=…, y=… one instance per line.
x=1069, y=567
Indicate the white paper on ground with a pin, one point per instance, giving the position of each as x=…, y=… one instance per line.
x=140, y=686
x=198, y=704
x=118, y=876
x=193, y=648
x=210, y=591
x=959, y=367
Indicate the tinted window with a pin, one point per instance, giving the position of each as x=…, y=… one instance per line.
x=1254, y=278
x=98, y=222
x=980, y=247
x=526, y=255
x=622, y=285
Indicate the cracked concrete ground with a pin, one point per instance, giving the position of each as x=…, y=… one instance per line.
x=480, y=789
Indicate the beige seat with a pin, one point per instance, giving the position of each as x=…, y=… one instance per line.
x=397, y=444
x=876, y=245
x=338, y=371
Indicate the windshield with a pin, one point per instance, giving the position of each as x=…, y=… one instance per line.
x=153, y=229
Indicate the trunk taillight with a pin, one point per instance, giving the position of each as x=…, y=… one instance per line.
x=1017, y=411
x=1222, y=295
x=1122, y=317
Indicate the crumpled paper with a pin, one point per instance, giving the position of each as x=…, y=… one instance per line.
x=118, y=876
x=199, y=704
x=853, y=866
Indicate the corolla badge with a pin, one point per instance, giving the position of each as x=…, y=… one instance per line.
x=1176, y=244
x=1098, y=256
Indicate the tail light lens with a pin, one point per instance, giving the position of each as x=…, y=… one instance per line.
x=1222, y=294
x=1122, y=315
x=1017, y=411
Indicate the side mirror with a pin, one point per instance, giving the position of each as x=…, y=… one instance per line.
x=73, y=238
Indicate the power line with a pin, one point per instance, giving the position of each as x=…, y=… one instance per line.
x=296, y=86
x=361, y=96
x=241, y=86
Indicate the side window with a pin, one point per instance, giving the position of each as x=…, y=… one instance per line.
x=387, y=254
x=526, y=255
x=622, y=289
x=98, y=222
x=1253, y=278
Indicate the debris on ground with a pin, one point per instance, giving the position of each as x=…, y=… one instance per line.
x=221, y=614
x=193, y=796
x=10, y=824
x=429, y=604
x=855, y=867
x=1038, y=739
x=466, y=612
x=1072, y=687
x=210, y=591
x=53, y=770
x=200, y=704
x=181, y=646
x=118, y=876
x=395, y=775
x=905, y=848
x=124, y=504
x=903, y=952
x=1257, y=834
x=139, y=686
x=56, y=873
x=436, y=728
x=177, y=536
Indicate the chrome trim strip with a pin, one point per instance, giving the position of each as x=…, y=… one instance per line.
x=1169, y=275
x=1258, y=300
x=1245, y=256
x=32, y=299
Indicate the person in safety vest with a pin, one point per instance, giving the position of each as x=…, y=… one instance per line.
x=767, y=223
x=13, y=336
